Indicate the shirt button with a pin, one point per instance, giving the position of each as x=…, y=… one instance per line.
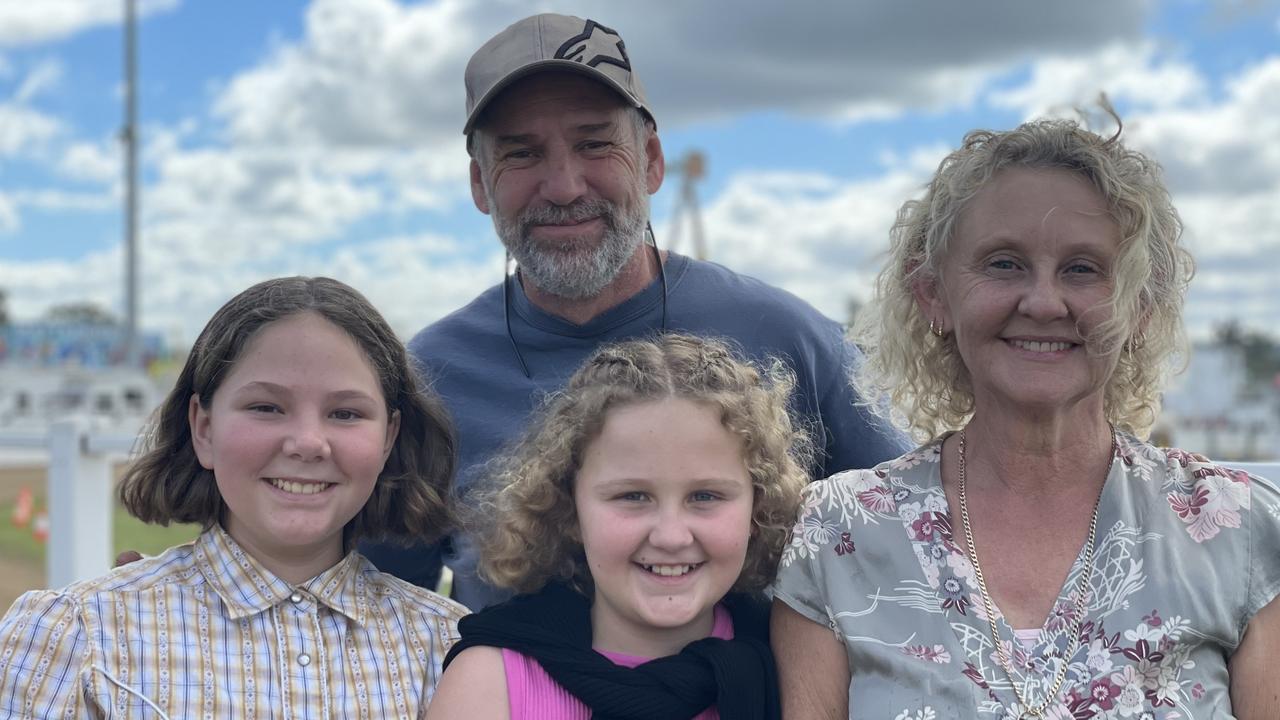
x=304, y=659
x=295, y=598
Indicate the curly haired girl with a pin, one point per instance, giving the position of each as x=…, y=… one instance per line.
x=641, y=516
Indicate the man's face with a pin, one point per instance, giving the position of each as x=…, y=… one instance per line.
x=567, y=181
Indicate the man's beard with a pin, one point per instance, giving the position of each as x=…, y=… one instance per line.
x=572, y=268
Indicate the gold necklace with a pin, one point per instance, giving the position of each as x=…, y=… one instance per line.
x=1082, y=588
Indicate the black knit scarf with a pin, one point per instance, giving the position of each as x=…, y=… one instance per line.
x=553, y=626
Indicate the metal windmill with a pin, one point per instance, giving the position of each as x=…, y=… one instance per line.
x=692, y=168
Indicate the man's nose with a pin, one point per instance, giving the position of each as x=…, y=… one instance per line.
x=563, y=180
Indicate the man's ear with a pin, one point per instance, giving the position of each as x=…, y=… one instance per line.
x=477, y=188
x=201, y=432
x=655, y=163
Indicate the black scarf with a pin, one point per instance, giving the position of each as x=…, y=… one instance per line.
x=553, y=626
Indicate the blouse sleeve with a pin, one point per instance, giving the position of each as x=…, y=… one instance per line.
x=801, y=582
x=43, y=657
x=1264, y=546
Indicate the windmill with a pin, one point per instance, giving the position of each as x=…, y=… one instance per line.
x=692, y=167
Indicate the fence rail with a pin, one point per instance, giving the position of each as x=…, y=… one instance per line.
x=79, y=495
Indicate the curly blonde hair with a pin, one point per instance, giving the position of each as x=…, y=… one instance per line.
x=919, y=381
x=525, y=519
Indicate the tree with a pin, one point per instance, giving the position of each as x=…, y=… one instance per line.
x=80, y=313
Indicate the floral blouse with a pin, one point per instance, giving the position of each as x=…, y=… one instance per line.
x=1187, y=553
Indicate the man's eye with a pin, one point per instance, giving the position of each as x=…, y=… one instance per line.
x=264, y=408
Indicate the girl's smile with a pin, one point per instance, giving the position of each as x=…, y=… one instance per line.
x=664, y=504
x=296, y=437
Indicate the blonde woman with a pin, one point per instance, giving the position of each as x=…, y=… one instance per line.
x=1035, y=557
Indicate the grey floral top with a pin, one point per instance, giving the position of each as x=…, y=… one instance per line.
x=1187, y=553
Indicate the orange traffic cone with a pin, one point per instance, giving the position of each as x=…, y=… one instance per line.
x=22, y=508
x=40, y=527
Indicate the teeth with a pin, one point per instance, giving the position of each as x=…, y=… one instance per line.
x=1041, y=346
x=298, y=488
x=670, y=570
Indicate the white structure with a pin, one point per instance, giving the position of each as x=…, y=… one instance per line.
x=33, y=397
x=1212, y=408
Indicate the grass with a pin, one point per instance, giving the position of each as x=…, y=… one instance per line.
x=127, y=533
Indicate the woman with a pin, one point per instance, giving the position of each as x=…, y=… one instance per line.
x=1035, y=558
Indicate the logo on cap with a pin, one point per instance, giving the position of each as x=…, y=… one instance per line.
x=598, y=45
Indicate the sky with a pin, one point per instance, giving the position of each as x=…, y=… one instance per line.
x=323, y=137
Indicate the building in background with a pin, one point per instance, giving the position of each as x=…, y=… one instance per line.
x=1220, y=408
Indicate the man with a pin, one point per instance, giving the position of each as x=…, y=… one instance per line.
x=565, y=154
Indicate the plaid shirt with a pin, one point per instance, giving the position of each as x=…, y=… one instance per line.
x=204, y=631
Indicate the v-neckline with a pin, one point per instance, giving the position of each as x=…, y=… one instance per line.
x=941, y=557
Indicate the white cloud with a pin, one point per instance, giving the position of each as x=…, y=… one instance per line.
x=1136, y=73
x=22, y=129
x=32, y=23
x=9, y=220
x=100, y=163
x=44, y=76
x=369, y=73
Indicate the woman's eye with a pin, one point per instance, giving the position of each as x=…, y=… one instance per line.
x=636, y=496
x=346, y=415
x=1002, y=265
x=1081, y=268
x=263, y=408
x=704, y=496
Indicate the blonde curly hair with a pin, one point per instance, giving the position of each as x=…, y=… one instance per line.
x=525, y=519
x=919, y=381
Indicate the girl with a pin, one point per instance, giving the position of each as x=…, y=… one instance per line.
x=295, y=428
x=658, y=481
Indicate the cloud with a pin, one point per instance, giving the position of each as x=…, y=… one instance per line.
x=91, y=162
x=375, y=72
x=23, y=129
x=9, y=220
x=1136, y=73
x=33, y=23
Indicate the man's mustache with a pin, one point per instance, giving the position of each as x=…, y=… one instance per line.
x=577, y=211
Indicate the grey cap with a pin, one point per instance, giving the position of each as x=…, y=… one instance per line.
x=550, y=42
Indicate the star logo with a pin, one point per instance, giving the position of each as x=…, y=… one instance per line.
x=596, y=44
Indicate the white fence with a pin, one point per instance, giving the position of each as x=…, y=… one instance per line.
x=80, y=495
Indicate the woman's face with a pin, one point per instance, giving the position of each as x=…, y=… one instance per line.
x=1023, y=283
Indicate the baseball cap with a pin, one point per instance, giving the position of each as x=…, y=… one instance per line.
x=550, y=42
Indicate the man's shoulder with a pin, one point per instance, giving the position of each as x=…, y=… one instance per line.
x=481, y=316
x=730, y=288
x=711, y=297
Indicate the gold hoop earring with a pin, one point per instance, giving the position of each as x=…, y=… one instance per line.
x=935, y=328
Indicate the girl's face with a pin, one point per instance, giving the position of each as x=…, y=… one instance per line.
x=296, y=437
x=664, y=504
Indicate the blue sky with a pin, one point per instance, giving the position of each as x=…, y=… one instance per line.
x=323, y=137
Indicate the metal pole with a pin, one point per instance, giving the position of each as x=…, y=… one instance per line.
x=130, y=138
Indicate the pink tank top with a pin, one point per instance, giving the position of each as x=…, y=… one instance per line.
x=533, y=695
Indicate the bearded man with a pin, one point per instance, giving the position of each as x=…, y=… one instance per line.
x=564, y=156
